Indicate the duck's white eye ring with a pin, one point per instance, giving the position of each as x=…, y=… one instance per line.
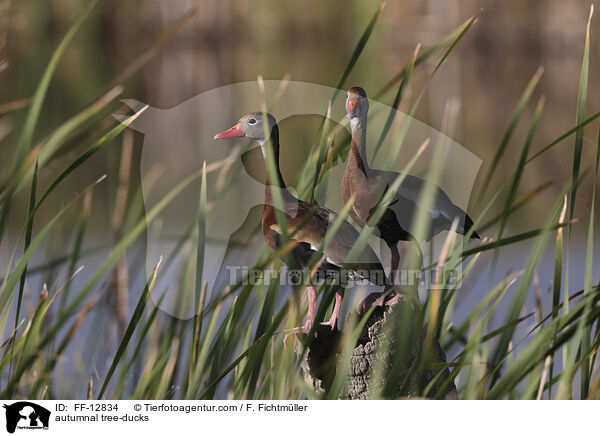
x=251, y=121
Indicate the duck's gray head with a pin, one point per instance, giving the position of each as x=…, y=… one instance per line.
x=252, y=126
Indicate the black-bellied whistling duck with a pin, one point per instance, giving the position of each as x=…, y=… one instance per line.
x=308, y=222
x=367, y=185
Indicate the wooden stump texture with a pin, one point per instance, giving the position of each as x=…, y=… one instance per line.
x=375, y=350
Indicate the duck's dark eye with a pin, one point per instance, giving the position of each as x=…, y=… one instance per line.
x=251, y=121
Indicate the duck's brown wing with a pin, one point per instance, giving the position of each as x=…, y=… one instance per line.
x=317, y=223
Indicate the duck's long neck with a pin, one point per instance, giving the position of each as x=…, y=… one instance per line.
x=358, y=149
x=275, y=147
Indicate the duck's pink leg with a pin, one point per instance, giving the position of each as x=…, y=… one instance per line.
x=392, y=301
x=310, y=318
x=312, y=305
x=379, y=299
x=335, y=316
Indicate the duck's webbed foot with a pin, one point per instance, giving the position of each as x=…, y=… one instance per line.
x=380, y=299
x=335, y=315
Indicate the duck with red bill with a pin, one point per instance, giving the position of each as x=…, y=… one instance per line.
x=367, y=187
x=309, y=224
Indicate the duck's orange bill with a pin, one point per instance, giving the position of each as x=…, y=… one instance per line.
x=351, y=106
x=234, y=132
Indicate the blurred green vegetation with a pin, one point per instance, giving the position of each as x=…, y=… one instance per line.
x=62, y=74
x=235, y=41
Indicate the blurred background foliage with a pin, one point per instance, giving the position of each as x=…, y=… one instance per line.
x=236, y=40
x=165, y=52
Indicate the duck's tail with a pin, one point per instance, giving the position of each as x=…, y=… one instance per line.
x=468, y=224
x=465, y=223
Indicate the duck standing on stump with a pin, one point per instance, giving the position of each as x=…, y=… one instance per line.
x=368, y=185
x=308, y=223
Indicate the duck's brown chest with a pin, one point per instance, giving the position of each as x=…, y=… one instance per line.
x=353, y=187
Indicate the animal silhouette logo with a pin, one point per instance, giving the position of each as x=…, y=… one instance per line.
x=26, y=415
x=178, y=141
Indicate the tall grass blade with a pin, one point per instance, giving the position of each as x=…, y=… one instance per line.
x=407, y=122
x=558, y=261
x=10, y=280
x=200, y=247
x=62, y=133
x=581, y=100
x=396, y=102
x=586, y=346
x=502, y=347
x=422, y=58
x=28, y=233
x=152, y=51
x=320, y=164
x=520, y=167
x=77, y=244
x=89, y=152
x=516, y=115
x=24, y=142
x=564, y=136
x=135, y=318
x=357, y=51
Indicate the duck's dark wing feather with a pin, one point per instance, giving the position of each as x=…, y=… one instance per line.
x=406, y=203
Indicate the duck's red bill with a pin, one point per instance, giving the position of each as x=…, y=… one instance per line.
x=352, y=106
x=234, y=132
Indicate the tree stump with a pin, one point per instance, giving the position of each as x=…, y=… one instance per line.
x=375, y=350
